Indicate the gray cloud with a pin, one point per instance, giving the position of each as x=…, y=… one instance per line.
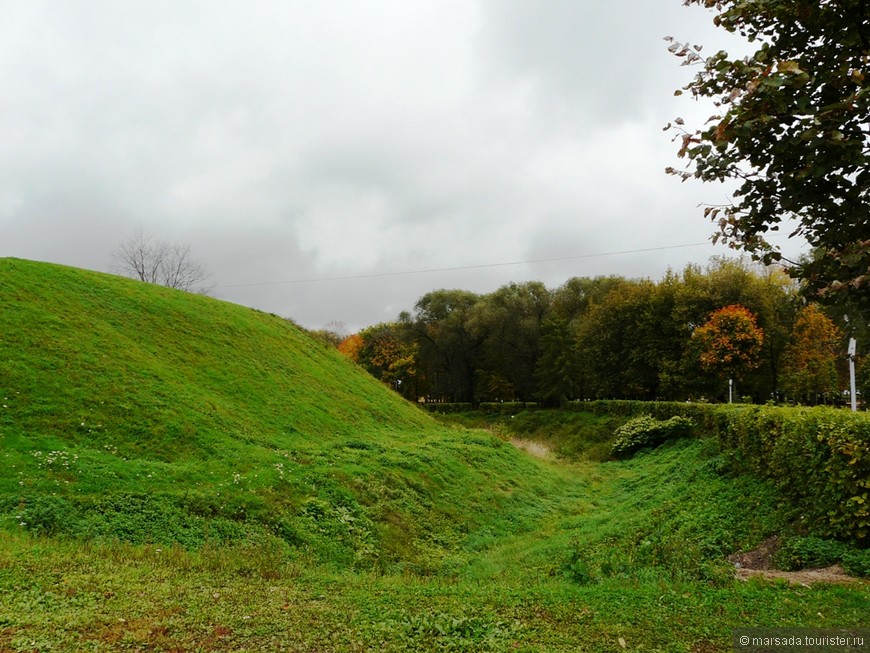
x=292, y=141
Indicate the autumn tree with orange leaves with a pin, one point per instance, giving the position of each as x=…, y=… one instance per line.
x=351, y=346
x=810, y=370
x=730, y=342
x=385, y=354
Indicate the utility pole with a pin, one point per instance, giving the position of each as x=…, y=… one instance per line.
x=851, y=357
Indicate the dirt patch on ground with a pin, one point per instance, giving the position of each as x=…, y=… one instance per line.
x=833, y=574
x=760, y=559
x=759, y=562
x=535, y=449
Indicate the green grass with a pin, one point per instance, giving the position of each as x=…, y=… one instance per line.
x=179, y=473
x=571, y=435
x=627, y=550
x=204, y=418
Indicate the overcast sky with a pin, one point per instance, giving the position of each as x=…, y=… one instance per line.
x=312, y=152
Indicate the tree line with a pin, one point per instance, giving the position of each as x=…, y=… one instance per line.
x=680, y=338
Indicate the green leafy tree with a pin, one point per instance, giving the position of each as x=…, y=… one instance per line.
x=613, y=340
x=557, y=375
x=448, y=340
x=862, y=376
x=575, y=296
x=791, y=127
x=512, y=319
x=384, y=352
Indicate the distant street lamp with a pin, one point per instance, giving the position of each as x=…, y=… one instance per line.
x=851, y=357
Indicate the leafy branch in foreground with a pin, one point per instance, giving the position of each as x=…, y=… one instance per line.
x=792, y=127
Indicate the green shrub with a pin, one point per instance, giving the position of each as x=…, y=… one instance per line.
x=646, y=431
x=635, y=434
x=47, y=515
x=808, y=553
x=857, y=562
x=138, y=519
x=815, y=552
x=578, y=566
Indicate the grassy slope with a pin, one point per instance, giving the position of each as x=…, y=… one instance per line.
x=211, y=477
x=207, y=418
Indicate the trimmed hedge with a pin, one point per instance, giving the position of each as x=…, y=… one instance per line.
x=486, y=407
x=506, y=407
x=456, y=407
x=818, y=457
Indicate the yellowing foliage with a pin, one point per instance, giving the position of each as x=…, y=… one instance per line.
x=730, y=342
x=811, y=356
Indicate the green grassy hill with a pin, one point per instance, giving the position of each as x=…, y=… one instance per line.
x=143, y=414
x=179, y=473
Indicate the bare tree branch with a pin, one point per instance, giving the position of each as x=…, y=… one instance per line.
x=171, y=265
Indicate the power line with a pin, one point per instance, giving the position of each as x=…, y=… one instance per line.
x=373, y=275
